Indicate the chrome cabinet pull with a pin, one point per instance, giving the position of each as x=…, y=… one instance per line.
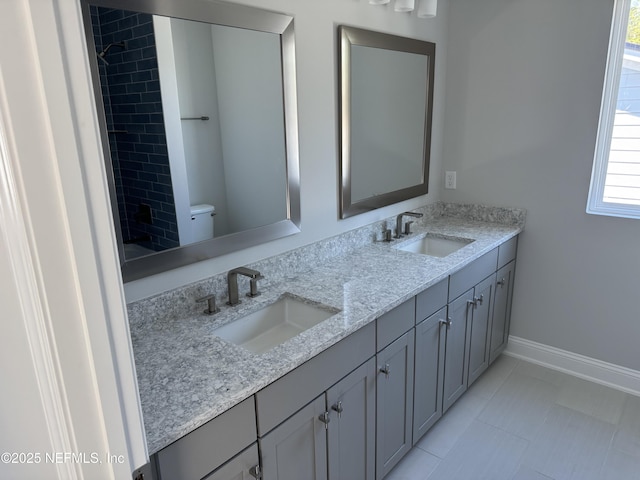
x=337, y=407
x=386, y=369
x=501, y=282
x=255, y=471
x=448, y=322
x=476, y=301
x=324, y=418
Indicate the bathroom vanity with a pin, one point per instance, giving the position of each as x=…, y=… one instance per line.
x=357, y=344
x=348, y=397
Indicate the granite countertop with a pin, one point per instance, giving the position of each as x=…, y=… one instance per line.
x=187, y=375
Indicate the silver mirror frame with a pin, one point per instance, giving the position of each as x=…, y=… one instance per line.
x=231, y=15
x=348, y=36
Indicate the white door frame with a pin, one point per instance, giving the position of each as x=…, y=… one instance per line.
x=60, y=239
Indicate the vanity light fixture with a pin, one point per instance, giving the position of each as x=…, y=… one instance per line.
x=404, y=5
x=426, y=8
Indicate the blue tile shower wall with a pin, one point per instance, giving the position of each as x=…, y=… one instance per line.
x=135, y=121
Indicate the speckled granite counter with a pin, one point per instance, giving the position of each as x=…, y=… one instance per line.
x=187, y=375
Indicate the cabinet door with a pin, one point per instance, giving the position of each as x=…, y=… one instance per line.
x=456, y=349
x=210, y=446
x=394, y=400
x=298, y=447
x=245, y=466
x=429, y=373
x=352, y=409
x=501, y=311
x=482, y=310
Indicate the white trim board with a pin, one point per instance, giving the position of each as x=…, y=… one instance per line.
x=597, y=371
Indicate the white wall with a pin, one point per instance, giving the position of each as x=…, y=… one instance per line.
x=249, y=70
x=524, y=82
x=198, y=95
x=316, y=56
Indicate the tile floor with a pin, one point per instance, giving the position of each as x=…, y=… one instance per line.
x=520, y=421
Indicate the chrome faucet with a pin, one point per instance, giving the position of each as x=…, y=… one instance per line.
x=232, y=283
x=399, y=222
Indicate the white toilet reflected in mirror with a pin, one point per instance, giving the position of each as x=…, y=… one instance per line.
x=202, y=222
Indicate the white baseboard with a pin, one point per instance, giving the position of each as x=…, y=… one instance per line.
x=597, y=371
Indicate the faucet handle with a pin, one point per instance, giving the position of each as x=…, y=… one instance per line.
x=253, y=286
x=407, y=227
x=211, y=304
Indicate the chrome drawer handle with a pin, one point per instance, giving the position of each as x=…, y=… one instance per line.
x=476, y=301
x=255, y=471
x=448, y=322
x=324, y=418
x=386, y=369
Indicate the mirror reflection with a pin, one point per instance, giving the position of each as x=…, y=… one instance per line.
x=386, y=149
x=386, y=97
x=200, y=126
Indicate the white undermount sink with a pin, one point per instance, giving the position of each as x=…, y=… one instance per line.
x=435, y=246
x=274, y=324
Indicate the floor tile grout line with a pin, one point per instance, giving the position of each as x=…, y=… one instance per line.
x=504, y=430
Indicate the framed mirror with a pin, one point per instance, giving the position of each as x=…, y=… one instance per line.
x=196, y=101
x=386, y=100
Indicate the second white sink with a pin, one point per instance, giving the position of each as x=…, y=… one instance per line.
x=435, y=246
x=274, y=324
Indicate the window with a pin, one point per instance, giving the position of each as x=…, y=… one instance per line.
x=615, y=179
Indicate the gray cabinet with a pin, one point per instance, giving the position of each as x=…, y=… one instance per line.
x=456, y=348
x=469, y=322
x=243, y=467
x=394, y=397
x=428, y=373
x=501, y=310
x=352, y=426
x=210, y=446
x=279, y=400
x=332, y=437
x=479, y=323
x=298, y=447
x=472, y=274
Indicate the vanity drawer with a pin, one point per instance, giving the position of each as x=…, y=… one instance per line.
x=431, y=300
x=395, y=323
x=278, y=401
x=209, y=446
x=507, y=251
x=472, y=274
